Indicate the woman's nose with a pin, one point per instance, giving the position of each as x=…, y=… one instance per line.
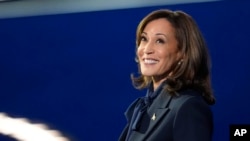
x=148, y=49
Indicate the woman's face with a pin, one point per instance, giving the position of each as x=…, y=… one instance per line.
x=158, y=51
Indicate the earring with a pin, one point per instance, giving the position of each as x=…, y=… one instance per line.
x=180, y=62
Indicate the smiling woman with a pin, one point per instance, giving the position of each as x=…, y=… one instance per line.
x=174, y=66
x=158, y=50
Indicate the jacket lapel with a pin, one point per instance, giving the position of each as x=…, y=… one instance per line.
x=157, y=110
x=129, y=112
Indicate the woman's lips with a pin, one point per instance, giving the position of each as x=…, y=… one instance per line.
x=150, y=61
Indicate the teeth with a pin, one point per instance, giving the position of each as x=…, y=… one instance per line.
x=150, y=61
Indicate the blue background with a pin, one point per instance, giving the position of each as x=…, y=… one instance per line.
x=72, y=71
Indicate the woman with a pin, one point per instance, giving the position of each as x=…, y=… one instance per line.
x=174, y=66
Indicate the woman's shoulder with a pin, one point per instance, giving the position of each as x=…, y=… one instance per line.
x=188, y=94
x=189, y=98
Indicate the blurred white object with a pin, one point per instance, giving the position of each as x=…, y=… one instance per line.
x=24, y=8
x=22, y=130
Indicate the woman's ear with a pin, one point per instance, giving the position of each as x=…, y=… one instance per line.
x=181, y=56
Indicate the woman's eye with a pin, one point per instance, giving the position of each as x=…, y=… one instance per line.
x=160, y=41
x=143, y=38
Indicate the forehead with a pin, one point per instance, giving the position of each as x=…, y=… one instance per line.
x=161, y=25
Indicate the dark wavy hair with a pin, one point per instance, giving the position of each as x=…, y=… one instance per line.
x=194, y=71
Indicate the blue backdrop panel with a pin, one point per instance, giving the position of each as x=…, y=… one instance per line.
x=72, y=71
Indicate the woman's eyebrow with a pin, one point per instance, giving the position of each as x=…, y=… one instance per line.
x=161, y=34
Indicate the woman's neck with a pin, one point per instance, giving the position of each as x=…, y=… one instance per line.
x=157, y=82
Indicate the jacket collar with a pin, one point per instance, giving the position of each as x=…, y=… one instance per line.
x=156, y=111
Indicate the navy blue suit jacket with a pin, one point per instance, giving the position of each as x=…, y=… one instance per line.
x=186, y=117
